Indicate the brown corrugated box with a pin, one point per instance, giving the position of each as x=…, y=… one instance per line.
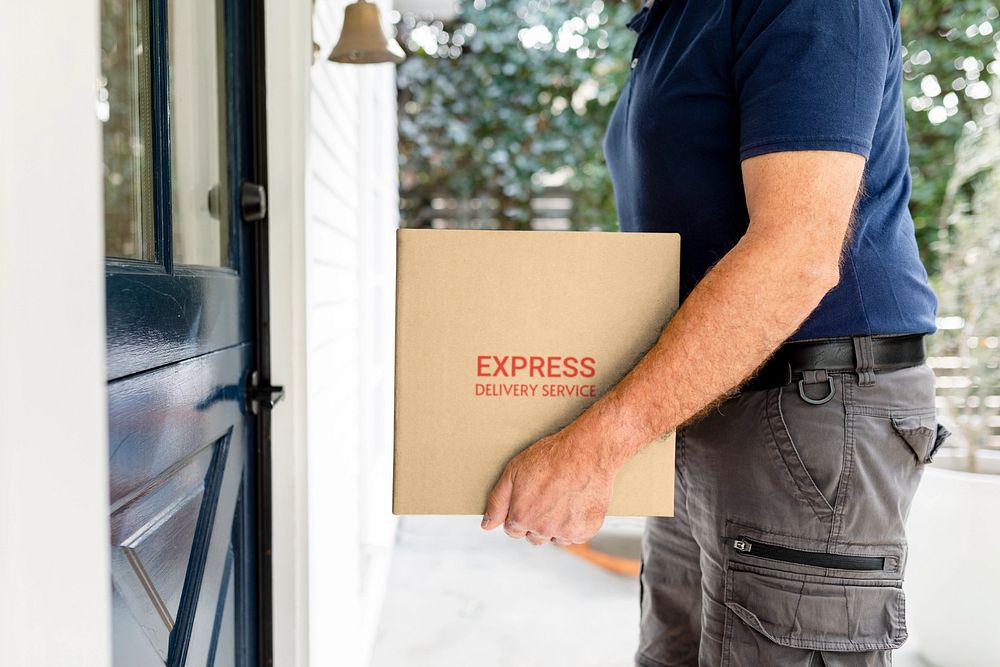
x=503, y=337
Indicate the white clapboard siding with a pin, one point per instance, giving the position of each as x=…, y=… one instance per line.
x=352, y=214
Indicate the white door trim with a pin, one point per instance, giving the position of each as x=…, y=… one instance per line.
x=288, y=55
x=54, y=534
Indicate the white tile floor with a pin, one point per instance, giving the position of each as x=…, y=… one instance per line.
x=459, y=597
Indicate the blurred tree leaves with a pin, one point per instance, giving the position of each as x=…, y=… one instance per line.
x=512, y=89
x=967, y=282
x=949, y=55
x=508, y=91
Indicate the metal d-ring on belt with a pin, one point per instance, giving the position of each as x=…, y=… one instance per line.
x=814, y=361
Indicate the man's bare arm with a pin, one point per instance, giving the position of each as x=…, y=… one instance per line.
x=801, y=206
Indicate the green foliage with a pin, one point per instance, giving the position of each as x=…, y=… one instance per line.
x=487, y=105
x=970, y=273
x=949, y=49
x=508, y=92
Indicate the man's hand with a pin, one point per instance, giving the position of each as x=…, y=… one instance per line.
x=556, y=490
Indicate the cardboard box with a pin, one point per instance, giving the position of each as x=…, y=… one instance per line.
x=503, y=337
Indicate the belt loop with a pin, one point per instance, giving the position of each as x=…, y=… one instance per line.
x=864, y=360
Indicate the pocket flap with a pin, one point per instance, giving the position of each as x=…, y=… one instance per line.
x=819, y=613
x=919, y=432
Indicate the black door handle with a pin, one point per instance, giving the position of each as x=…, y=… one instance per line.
x=261, y=396
x=253, y=201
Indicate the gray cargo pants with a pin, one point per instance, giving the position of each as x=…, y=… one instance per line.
x=787, y=547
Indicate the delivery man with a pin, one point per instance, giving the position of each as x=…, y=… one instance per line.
x=770, y=135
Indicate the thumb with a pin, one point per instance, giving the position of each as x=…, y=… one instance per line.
x=499, y=502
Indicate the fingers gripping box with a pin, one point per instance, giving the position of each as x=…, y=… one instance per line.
x=503, y=337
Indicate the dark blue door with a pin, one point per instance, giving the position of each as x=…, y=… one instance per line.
x=183, y=221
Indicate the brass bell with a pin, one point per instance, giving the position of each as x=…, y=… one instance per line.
x=362, y=39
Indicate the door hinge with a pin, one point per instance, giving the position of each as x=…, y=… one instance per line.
x=261, y=396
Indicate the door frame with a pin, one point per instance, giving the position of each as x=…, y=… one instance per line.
x=253, y=55
x=57, y=608
x=288, y=58
x=66, y=330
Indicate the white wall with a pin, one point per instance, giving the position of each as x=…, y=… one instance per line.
x=54, y=559
x=332, y=215
x=352, y=213
x=287, y=58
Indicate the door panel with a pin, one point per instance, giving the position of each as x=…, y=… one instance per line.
x=156, y=318
x=178, y=459
x=183, y=336
x=153, y=537
x=222, y=649
x=162, y=419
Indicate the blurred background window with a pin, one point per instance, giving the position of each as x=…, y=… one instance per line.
x=123, y=107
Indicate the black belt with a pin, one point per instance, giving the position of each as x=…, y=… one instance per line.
x=838, y=355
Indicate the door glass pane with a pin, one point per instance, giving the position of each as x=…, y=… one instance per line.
x=123, y=108
x=198, y=133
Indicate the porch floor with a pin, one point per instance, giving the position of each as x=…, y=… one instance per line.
x=458, y=596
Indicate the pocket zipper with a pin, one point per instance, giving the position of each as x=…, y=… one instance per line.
x=815, y=558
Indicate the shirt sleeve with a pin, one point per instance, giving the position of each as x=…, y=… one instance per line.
x=810, y=74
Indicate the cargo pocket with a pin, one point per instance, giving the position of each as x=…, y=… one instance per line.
x=809, y=442
x=777, y=618
x=922, y=433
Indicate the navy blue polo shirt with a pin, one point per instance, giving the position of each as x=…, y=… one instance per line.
x=715, y=83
